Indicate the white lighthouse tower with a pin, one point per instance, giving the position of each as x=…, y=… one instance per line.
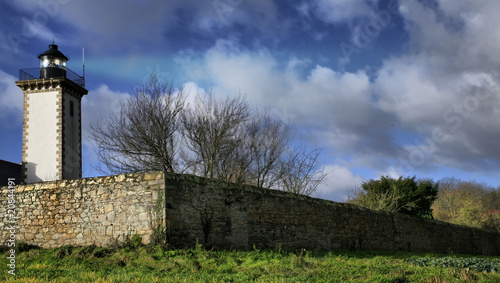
x=52, y=140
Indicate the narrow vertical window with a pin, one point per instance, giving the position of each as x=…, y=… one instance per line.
x=71, y=109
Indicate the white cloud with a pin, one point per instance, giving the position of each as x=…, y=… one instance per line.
x=392, y=172
x=409, y=90
x=331, y=104
x=338, y=11
x=257, y=14
x=96, y=105
x=11, y=101
x=130, y=24
x=191, y=91
x=339, y=183
x=448, y=85
x=455, y=35
x=452, y=56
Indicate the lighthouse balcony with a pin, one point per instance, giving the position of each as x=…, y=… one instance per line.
x=51, y=72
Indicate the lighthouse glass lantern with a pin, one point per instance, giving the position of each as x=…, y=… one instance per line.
x=52, y=63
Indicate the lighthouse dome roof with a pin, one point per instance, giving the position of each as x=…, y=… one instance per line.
x=53, y=51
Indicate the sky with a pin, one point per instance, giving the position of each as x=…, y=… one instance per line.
x=383, y=87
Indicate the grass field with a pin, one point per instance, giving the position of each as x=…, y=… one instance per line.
x=159, y=264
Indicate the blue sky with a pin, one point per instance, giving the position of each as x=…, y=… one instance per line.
x=384, y=87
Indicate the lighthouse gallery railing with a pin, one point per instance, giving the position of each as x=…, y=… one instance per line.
x=35, y=74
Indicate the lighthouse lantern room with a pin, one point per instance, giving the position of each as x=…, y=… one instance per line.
x=52, y=63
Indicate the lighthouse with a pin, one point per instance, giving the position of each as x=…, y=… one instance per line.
x=52, y=127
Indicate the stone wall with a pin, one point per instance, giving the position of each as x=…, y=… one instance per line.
x=104, y=210
x=92, y=211
x=224, y=215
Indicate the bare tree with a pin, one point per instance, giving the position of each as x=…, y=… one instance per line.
x=145, y=135
x=267, y=140
x=300, y=171
x=214, y=132
x=222, y=139
x=229, y=142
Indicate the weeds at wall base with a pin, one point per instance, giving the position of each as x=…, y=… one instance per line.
x=159, y=236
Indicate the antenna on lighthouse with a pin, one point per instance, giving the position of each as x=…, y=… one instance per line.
x=83, y=61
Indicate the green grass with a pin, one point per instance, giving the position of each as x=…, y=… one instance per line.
x=159, y=264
